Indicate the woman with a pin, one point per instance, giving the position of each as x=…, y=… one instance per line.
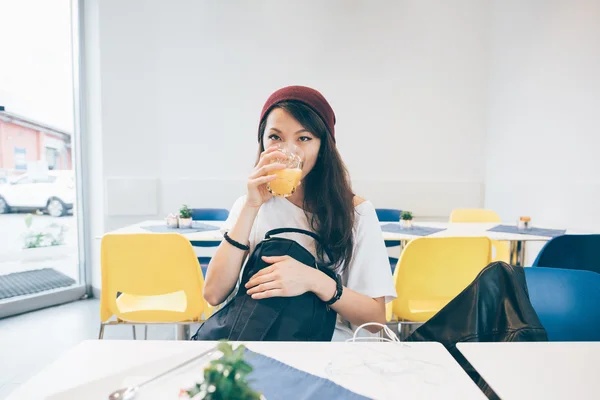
x=323, y=203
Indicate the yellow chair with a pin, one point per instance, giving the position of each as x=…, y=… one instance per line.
x=501, y=248
x=159, y=278
x=432, y=271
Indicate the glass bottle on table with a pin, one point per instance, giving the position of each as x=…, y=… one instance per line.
x=524, y=223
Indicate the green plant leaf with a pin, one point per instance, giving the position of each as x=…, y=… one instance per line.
x=406, y=215
x=225, y=348
x=227, y=375
x=244, y=368
x=185, y=212
x=239, y=351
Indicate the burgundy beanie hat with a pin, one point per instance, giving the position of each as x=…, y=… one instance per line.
x=306, y=95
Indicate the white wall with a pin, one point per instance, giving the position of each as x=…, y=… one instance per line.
x=544, y=114
x=505, y=92
x=183, y=82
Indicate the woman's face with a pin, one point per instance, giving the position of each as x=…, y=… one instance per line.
x=282, y=127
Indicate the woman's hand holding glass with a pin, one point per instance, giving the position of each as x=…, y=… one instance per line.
x=262, y=174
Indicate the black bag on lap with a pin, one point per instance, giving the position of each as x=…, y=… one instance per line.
x=300, y=318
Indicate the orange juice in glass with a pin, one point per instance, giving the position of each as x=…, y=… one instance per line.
x=287, y=179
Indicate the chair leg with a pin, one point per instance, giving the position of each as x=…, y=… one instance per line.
x=182, y=332
x=393, y=325
x=133, y=327
x=146, y=332
x=101, y=334
x=406, y=328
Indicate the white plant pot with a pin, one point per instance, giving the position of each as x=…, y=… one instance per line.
x=185, y=223
x=406, y=224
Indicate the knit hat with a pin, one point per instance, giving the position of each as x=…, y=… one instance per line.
x=306, y=95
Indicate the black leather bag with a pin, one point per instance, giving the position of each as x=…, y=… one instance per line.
x=300, y=318
x=495, y=307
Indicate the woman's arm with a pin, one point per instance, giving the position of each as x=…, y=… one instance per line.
x=224, y=267
x=354, y=307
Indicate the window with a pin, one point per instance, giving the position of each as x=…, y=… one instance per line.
x=51, y=157
x=20, y=159
x=23, y=180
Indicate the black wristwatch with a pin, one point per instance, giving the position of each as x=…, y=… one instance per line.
x=339, y=288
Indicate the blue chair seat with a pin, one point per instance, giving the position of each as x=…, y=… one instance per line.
x=566, y=301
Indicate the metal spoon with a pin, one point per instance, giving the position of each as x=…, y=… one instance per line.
x=131, y=392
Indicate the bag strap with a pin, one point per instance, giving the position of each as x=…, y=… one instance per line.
x=292, y=230
x=313, y=235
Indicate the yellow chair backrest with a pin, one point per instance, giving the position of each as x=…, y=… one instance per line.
x=474, y=215
x=432, y=271
x=501, y=249
x=142, y=265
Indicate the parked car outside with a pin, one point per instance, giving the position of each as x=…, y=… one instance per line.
x=53, y=192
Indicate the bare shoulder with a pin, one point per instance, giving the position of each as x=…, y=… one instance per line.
x=358, y=201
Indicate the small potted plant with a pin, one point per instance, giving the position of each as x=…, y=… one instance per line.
x=406, y=218
x=224, y=378
x=185, y=217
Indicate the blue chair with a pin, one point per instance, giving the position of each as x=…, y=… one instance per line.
x=210, y=214
x=571, y=252
x=390, y=215
x=566, y=301
x=207, y=214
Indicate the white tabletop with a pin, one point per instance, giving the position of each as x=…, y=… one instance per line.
x=450, y=230
x=537, y=370
x=95, y=368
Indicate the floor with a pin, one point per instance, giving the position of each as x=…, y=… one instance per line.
x=29, y=342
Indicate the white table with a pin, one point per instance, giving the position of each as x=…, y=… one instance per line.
x=460, y=229
x=537, y=370
x=450, y=230
x=93, y=369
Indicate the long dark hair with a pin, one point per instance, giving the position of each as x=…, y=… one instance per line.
x=328, y=197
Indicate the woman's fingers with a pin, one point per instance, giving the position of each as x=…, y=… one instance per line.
x=269, y=293
x=264, y=170
x=257, y=280
x=267, y=157
x=264, y=271
x=263, y=287
x=262, y=180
